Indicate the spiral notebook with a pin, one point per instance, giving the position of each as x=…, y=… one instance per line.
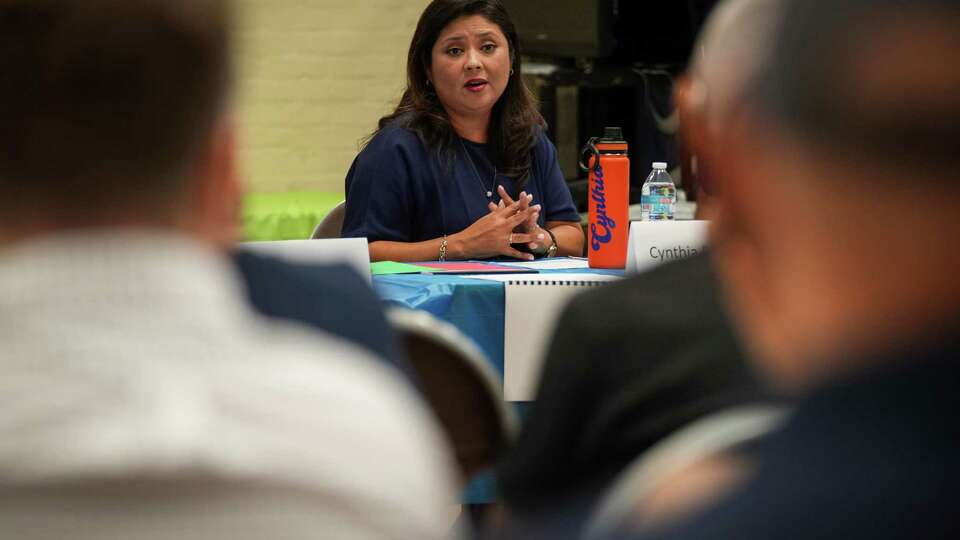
x=533, y=304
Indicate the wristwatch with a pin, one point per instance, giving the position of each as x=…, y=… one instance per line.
x=552, y=250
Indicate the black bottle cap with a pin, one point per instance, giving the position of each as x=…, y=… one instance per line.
x=612, y=135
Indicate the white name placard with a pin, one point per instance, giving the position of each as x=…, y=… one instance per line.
x=656, y=242
x=350, y=251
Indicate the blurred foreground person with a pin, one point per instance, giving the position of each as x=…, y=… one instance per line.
x=836, y=245
x=333, y=298
x=140, y=396
x=634, y=361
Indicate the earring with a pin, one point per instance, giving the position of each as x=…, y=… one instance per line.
x=428, y=82
x=511, y=71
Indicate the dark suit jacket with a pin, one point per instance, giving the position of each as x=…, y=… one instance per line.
x=874, y=456
x=332, y=298
x=630, y=363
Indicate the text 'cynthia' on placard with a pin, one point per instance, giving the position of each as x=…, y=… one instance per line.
x=656, y=242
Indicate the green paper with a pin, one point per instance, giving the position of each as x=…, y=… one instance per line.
x=385, y=268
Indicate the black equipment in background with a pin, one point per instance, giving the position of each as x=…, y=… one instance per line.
x=565, y=28
x=651, y=32
x=640, y=100
x=597, y=63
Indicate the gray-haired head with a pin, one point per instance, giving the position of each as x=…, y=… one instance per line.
x=870, y=78
x=728, y=55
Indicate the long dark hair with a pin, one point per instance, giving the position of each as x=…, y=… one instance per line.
x=514, y=120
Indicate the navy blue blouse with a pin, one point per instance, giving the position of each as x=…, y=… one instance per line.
x=399, y=190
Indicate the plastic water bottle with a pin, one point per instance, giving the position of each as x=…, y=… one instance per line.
x=658, y=196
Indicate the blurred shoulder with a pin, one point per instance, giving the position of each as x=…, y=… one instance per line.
x=332, y=417
x=271, y=279
x=686, y=285
x=324, y=273
x=251, y=263
x=324, y=385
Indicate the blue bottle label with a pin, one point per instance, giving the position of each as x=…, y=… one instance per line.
x=659, y=204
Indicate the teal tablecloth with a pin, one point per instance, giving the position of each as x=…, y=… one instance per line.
x=474, y=306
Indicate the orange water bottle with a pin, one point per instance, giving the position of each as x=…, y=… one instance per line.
x=609, y=199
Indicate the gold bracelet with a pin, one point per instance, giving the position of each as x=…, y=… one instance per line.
x=554, y=247
x=443, y=249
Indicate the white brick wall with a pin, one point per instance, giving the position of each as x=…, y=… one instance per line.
x=314, y=78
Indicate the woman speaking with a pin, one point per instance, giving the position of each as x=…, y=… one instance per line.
x=462, y=169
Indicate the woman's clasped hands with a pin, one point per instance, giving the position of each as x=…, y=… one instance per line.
x=493, y=234
x=529, y=227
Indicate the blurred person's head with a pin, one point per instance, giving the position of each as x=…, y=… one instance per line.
x=114, y=112
x=841, y=199
x=728, y=53
x=719, y=86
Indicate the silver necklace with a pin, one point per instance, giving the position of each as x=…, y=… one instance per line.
x=476, y=172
